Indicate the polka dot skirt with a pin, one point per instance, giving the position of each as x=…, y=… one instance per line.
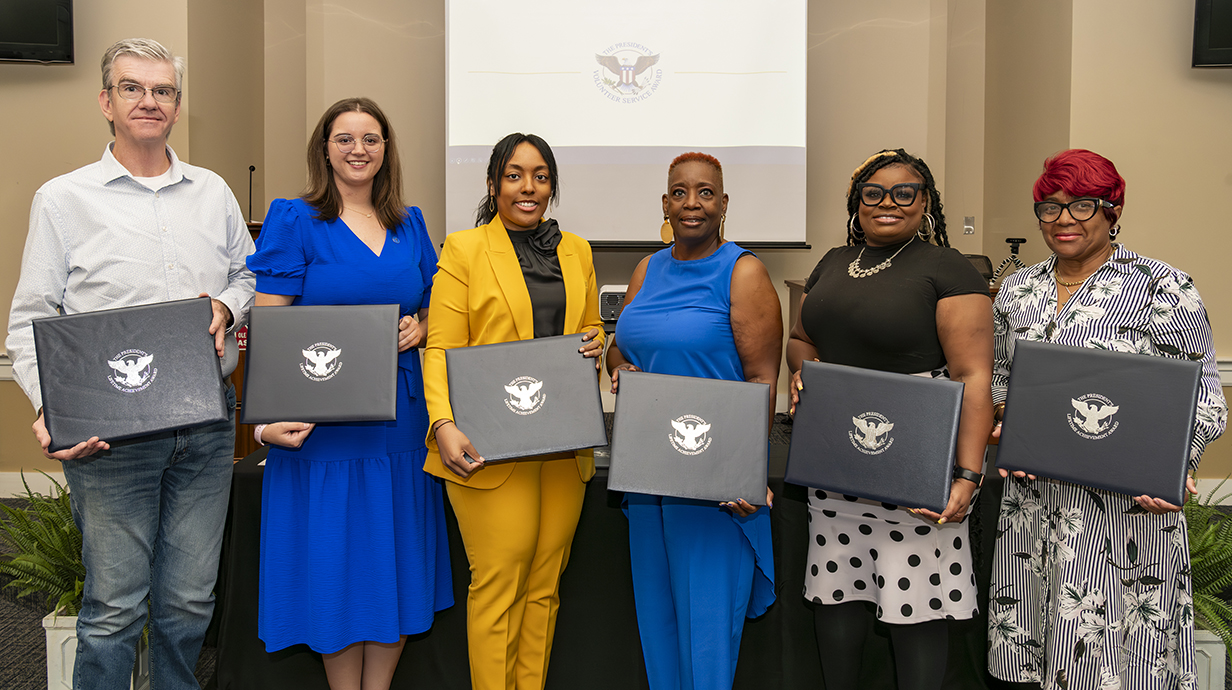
x=911, y=568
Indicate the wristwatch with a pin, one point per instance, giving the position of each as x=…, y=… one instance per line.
x=973, y=477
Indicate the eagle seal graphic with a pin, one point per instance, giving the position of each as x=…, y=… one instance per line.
x=132, y=371
x=526, y=395
x=1092, y=417
x=321, y=362
x=691, y=435
x=625, y=74
x=627, y=71
x=872, y=433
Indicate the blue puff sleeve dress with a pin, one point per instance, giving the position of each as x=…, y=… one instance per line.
x=353, y=543
x=698, y=569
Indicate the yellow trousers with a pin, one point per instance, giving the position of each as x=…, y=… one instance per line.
x=517, y=539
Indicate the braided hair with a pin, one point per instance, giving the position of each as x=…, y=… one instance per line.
x=883, y=159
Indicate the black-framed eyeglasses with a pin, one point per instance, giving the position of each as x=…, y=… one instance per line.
x=901, y=194
x=131, y=91
x=346, y=143
x=1079, y=209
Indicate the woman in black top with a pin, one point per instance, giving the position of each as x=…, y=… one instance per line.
x=892, y=301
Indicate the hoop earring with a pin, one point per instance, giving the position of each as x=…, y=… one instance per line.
x=722, y=223
x=491, y=204
x=1116, y=230
x=851, y=227
x=665, y=231
x=932, y=226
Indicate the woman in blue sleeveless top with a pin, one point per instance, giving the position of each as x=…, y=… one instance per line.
x=703, y=307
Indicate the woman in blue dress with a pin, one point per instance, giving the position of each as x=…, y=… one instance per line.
x=354, y=555
x=702, y=307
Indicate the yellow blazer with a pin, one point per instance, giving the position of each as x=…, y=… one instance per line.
x=479, y=297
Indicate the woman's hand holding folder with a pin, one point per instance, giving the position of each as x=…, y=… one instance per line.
x=456, y=450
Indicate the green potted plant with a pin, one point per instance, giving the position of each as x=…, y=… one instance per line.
x=43, y=554
x=1210, y=557
x=44, y=549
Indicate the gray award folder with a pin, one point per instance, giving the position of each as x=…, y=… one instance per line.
x=690, y=437
x=526, y=397
x=122, y=373
x=335, y=363
x=1112, y=420
x=875, y=434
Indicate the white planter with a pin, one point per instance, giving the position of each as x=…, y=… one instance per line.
x=62, y=653
x=1209, y=656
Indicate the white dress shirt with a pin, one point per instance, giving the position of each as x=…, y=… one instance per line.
x=99, y=239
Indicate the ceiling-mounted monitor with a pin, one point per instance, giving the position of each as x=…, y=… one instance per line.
x=36, y=31
x=1212, y=44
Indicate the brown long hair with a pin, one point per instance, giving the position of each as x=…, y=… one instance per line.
x=322, y=193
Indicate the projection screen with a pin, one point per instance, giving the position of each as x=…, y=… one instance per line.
x=620, y=89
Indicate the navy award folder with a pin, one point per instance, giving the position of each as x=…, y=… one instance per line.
x=874, y=434
x=1110, y=420
x=327, y=363
x=690, y=437
x=122, y=373
x=526, y=397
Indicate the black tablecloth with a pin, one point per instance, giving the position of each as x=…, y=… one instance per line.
x=597, y=644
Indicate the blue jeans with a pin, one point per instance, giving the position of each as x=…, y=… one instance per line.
x=151, y=513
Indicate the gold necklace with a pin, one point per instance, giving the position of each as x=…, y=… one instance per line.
x=854, y=270
x=1056, y=271
x=365, y=215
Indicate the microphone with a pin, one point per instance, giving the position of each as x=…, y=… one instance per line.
x=251, y=170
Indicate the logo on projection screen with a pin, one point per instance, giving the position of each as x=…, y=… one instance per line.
x=625, y=75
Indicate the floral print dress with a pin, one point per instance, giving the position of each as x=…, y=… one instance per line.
x=1088, y=589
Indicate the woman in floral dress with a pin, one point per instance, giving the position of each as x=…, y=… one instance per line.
x=1091, y=589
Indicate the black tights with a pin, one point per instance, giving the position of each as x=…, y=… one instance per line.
x=920, y=649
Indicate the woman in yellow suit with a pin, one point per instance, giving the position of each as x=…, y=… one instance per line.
x=515, y=277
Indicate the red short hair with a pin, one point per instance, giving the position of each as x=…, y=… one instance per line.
x=1082, y=173
x=698, y=157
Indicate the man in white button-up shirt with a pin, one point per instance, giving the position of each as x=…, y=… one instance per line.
x=139, y=227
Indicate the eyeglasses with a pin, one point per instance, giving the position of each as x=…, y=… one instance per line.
x=1079, y=209
x=130, y=91
x=901, y=194
x=346, y=143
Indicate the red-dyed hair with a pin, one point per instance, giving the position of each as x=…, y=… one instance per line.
x=696, y=156
x=1079, y=173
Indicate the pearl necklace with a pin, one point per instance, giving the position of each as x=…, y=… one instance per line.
x=854, y=270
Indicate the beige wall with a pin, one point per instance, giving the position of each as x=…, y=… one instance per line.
x=993, y=88
x=226, y=61
x=1027, y=100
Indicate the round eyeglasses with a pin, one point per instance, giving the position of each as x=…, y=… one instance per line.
x=130, y=91
x=1079, y=209
x=346, y=143
x=901, y=194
